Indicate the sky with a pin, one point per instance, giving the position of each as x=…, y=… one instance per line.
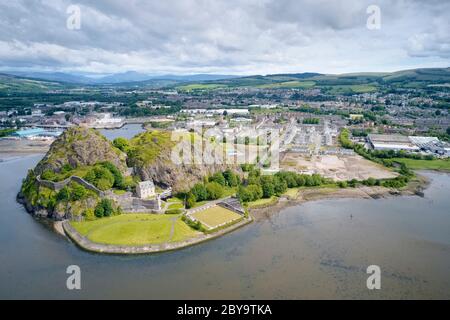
x=223, y=36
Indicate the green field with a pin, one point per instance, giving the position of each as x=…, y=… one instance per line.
x=136, y=229
x=216, y=216
x=200, y=86
x=175, y=205
x=437, y=164
x=263, y=202
x=356, y=88
x=289, y=84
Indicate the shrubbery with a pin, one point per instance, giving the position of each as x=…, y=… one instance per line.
x=104, y=208
x=105, y=175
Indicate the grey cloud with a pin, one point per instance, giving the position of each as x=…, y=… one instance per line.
x=249, y=36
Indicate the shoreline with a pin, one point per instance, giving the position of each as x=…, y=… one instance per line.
x=415, y=187
x=95, y=247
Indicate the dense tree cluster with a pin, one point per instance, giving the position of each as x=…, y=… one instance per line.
x=258, y=186
x=104, y=208
x=213, y=188
x=105, y=175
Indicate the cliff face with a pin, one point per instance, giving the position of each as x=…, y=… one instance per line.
x=79, y=146
x=153, y=159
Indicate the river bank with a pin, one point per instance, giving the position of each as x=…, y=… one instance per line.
x=414, y=187
x=313, y=251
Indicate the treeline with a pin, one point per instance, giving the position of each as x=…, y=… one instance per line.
x=258, y=186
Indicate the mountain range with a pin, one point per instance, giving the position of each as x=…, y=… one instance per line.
x=125, y=77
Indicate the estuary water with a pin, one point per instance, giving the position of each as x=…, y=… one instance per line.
x=316, y=250
x=127, y=131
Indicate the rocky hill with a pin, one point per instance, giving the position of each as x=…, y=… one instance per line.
x=79, y=146
x=88, y=157
x=151, y=156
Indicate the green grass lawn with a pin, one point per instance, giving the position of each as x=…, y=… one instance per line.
x=436, y=164
x=200, y=203
x=135, y=229
x=175, y=205
x=215, y=216
x=262, y=202
x=201, y=86
x=289, y=84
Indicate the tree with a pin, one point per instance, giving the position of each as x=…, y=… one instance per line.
x=200, y=192
x=104, y=208
x=371, y=181
x=448, y=131
x=78, y=192
x=121, y=144
x=280, y=186
x=101, y=177
x=244, y=194
x=63, y=194
x=215, y=190
x=268, y=190
x=342, y=184
x=256, y=191
x=48, y=175
x=118, y=177
x=219, y=178
x=231, y=178
x=190, y=200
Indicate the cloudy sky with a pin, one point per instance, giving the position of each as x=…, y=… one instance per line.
x=227, y=37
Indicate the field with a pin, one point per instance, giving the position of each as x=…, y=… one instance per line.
x=336, y=167
x=200, y=86
x=135, y=229
x=437, y=164
x=356, y=88
x=289, y=84
x=262, y=202
x=216, y=216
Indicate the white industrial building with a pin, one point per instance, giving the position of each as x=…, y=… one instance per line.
x=408, y=143
x=391, y=142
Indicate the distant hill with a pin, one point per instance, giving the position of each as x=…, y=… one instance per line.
x=331, y=83
x=12, y=84
x=117, y=78
x=334, y=83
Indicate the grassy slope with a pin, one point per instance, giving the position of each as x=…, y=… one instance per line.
x=344, y=83
x=437, y=164
x=10, y=83
x=135, y=229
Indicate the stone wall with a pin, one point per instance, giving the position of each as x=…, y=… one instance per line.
x=56, y=186
x=88, y=245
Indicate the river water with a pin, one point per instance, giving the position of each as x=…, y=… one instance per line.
x=315, y=250
x=128, y=131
